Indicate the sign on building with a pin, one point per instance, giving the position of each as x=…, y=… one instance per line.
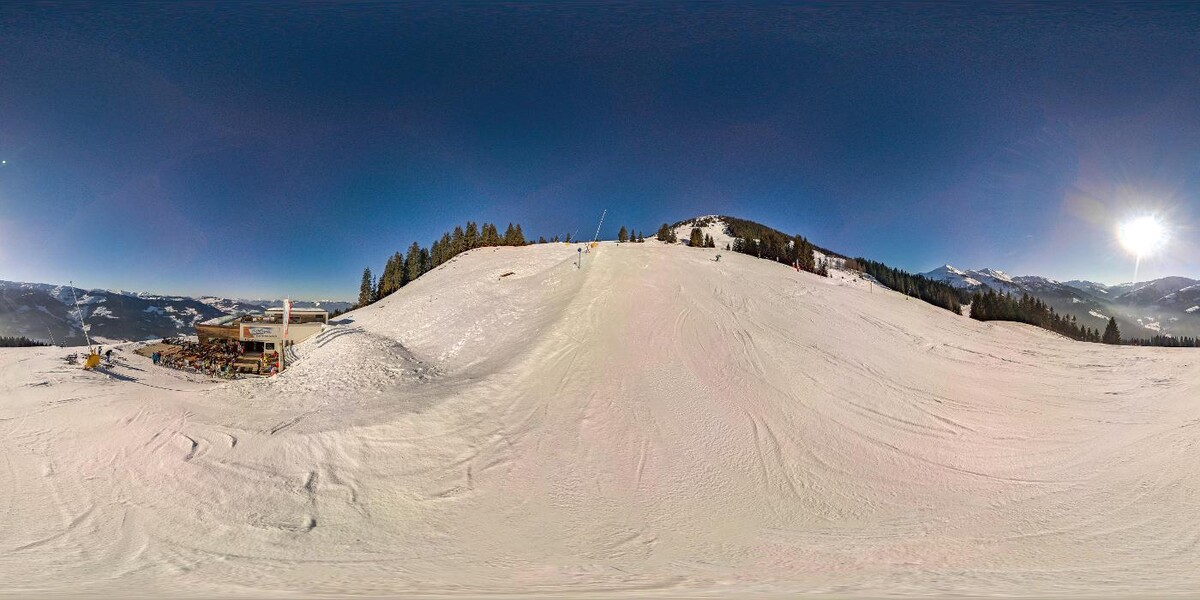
x=257, y=333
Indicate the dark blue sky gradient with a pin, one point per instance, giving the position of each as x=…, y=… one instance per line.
x=271, y=149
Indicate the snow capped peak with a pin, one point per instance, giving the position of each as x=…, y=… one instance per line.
x=953, y=276
x=995, y=274
x=1037, y=278
x=946, y=269
x=949, y=268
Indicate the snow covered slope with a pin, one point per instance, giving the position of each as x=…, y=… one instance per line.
x=655, y=423
x=711, y=225
x=716, y=227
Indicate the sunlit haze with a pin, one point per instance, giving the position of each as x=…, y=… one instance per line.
x=1142, y=236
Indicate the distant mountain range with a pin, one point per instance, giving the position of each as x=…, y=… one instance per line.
x=1169, y=306
x=47, y=312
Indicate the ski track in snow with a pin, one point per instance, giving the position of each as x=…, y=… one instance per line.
x=655, y=423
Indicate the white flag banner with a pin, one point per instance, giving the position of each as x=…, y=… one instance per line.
x=287, y=317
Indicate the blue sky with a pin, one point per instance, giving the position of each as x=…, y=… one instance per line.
x=272, y=149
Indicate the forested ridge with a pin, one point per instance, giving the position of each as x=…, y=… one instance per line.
x=402, y=269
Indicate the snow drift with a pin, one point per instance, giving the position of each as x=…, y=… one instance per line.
x=654, y=423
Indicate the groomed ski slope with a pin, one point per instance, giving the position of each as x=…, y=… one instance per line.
x=655, y=423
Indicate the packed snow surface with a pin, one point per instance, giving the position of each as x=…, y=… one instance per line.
x=656, y=423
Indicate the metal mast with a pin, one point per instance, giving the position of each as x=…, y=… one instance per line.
x=597, y=236
x=79, y=312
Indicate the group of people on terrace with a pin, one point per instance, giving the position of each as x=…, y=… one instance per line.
x=217, y=358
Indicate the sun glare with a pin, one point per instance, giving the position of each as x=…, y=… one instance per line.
x=1142, y=236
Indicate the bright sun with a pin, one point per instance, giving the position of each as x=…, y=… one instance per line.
x=1142, y=236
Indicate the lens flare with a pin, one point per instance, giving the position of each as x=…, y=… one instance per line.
x=1142, y=236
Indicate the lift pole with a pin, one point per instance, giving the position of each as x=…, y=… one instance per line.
x=597, y=236
x=79, y=312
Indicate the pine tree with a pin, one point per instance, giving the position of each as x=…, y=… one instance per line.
x=381, y=290
x=471, y=237
x=622, y=235
x=397, y=272
x=447, y=248
x=458, y=243
x=387, y=279
x=435, y=252
x=541, y=239
x=1112, y=334
x=510, y=236
x=364, y=290
x=696, y=240
x=804, y=254
x=381, y=285
x=664, y=233
x=412, y=265
x=518, y=236
x=641, y=238
x=426, y=261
